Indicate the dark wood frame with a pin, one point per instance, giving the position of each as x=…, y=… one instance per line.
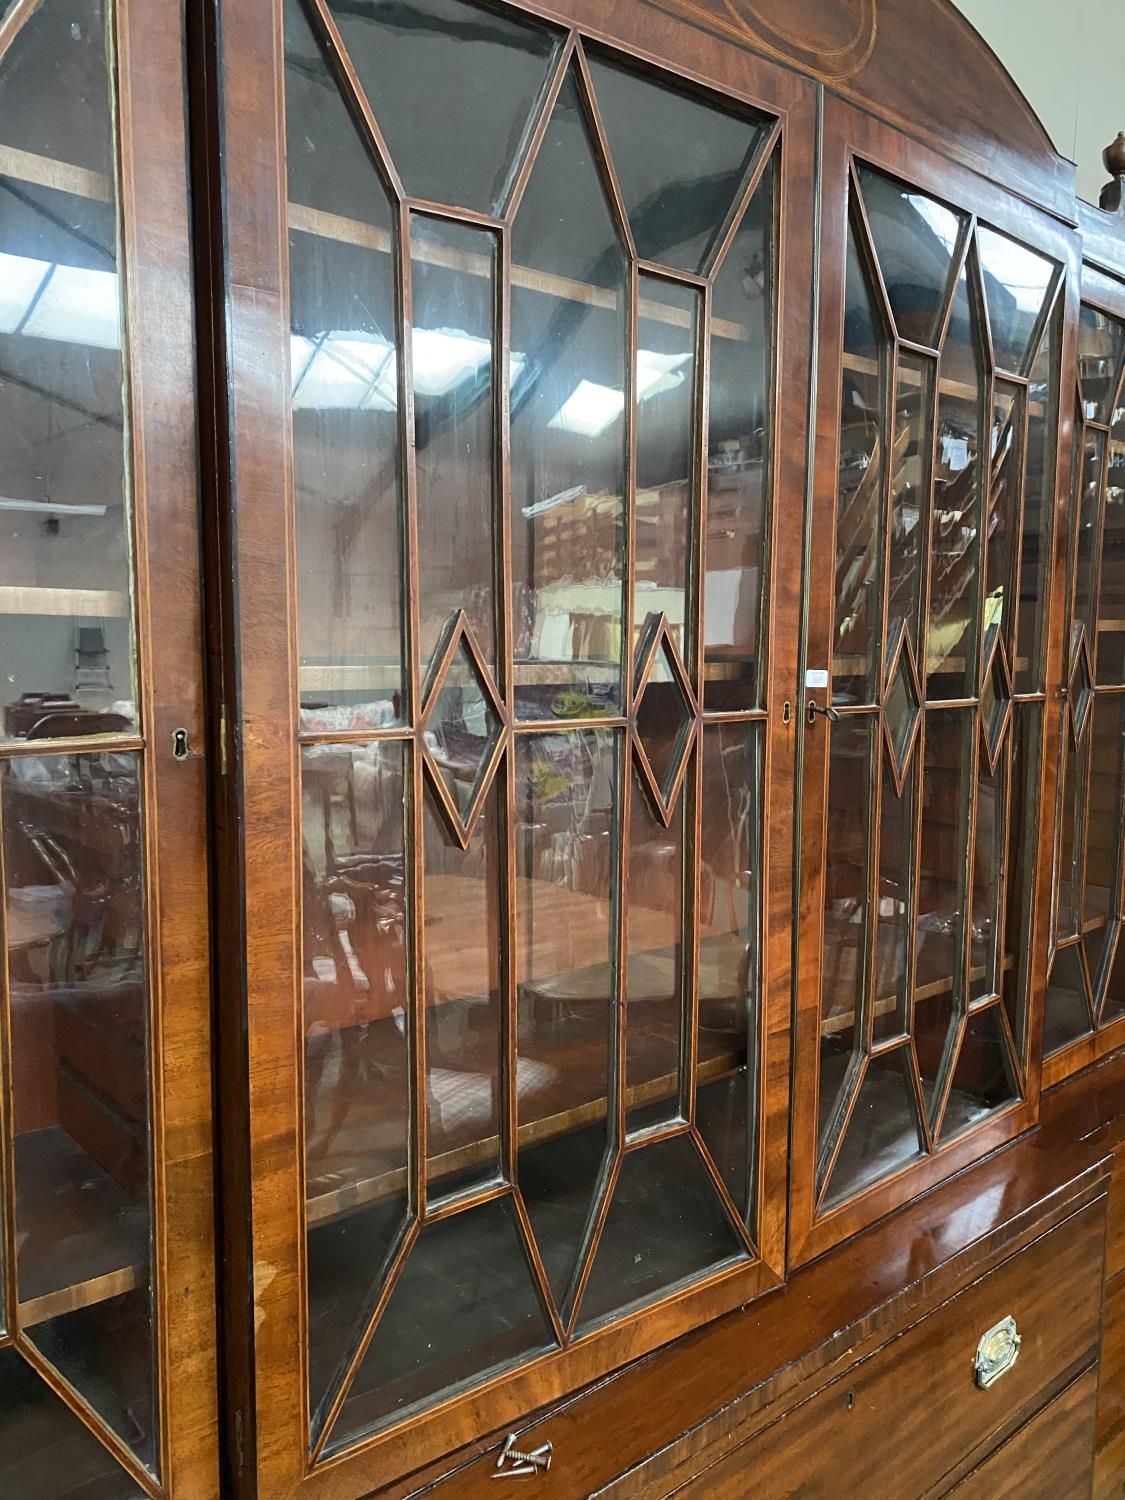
x=1107, y=294
x=156, y=270
x=850, y=135
x=250, y=88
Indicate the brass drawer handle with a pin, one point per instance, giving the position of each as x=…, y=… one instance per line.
x=997, y=1352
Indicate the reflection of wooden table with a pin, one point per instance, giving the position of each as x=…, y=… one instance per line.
x=357, y=1085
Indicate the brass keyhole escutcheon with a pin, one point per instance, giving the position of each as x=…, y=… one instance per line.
x=180, y=747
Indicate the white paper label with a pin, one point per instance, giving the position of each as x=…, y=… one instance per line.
x=817, y=678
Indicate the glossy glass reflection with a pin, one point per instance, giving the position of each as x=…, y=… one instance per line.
x=453, y=87
x=895, y=924
x=80, y=1081
x=656, y=979
x=357, y=1065
x=1068, y=1002
x=49, y=1452
x=1038, y=509
x=984, y=1079
x=664, y=721
x=1017, y=282
x=567, y=801
x=66, y=632
x=739, y=448
x=989, y=882
x=567, y=373
x=848, y=918
x=949, y=760
x=461, y=730
x=344, y=375
x=1101, y=358
x=883, y=1134
x=453, y=298
x=464, y=1307
x=861, y=498
x=667, y=477
x=1002, y=507
x=916, y=239
x=680, y=160
x=1111, y=592
x=955, y=539
x=464, y=934
x=666, y=1225
x=726, y=1101
x=910, y=487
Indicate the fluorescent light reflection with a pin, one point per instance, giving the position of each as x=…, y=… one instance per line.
x=65, y=304
x=591, y=408
x=355, y=370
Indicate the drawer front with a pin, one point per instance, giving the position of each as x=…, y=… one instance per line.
x=1115, y=1235
x=1109, y=1466
x=1049, y=1458
x=913, y=1408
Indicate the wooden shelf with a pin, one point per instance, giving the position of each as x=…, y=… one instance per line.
x=83, y=1239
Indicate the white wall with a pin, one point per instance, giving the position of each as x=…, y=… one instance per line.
x=1066, y=56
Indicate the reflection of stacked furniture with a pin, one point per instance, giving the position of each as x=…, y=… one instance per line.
x=47, y=716
x=78, y=1033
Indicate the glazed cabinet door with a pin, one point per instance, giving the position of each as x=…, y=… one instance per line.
x=1085, y=995
x=107, y=1342
x=942, y=320
x=519, y=352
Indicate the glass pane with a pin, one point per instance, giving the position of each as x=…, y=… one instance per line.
x=915, y=240
x=464, y=931
x=1002, y=509
x=655, y=978
x=853, y=744
x=1113, y=1001
x=1038, y=508
x=453, y=87
x=1072, y=811
x=566, y=839
x=464, y=1307
x=1067, y=1007
x=1091, y=478
x=461, y=730
x=955, y=560
x=989, y=880
x=984, y=1078
x=567, y=371
x=666, y=1224
x=739, y=438
x=1016, y=284
x=883, y=1134
x=357, y=1049
x=942, y=896
x=1101, y=352
x=894, y=941
x=1023, y=839
x=453, y=298
x=680, y=162
x=76, y=952
x=663, y=721
x=49, y=1453
x=729, y=884
x=1111, y=593
x=910, y=488
x=66, y=633
x=861, y=498
x=345, y=404
x=1101, y=894
x=667, y=484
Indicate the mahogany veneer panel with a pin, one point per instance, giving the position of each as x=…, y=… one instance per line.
x=1048, y=1457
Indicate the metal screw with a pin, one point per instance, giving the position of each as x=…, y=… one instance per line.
x=538, y=1458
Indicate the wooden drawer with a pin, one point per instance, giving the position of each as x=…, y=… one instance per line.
x=1115, y=1235
x=1109, y=1468
x=912, y=1408
x=1049, y=1458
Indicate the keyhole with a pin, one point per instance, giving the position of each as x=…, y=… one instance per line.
x=180, y=748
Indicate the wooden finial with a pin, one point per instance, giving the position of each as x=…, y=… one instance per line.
x=1114, y=158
